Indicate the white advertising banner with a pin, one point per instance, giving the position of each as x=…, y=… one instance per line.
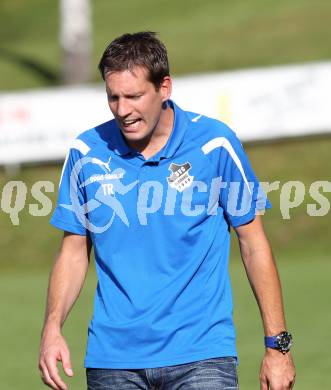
x=264, y=103
x=258, y=104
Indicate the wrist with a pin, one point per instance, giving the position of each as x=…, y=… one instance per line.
x=51, y=326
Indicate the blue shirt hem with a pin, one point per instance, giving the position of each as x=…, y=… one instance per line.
x=209, y=354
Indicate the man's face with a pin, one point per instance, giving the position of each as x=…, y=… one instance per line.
x=135, y=103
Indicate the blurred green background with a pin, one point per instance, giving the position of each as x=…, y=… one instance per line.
x=201, y=36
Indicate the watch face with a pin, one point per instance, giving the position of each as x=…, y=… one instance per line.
x=284, y=341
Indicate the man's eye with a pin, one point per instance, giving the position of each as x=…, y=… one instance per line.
x=112, y=98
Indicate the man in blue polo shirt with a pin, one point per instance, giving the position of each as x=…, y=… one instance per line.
x=155, y=192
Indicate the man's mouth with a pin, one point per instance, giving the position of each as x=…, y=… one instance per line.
x=130, y=123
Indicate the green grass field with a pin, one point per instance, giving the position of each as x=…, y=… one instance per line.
x=306, y=284
x=201, y=35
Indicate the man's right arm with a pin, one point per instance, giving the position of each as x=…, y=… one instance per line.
x=66, y=281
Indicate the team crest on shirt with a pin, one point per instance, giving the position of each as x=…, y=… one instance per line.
x=179, y=178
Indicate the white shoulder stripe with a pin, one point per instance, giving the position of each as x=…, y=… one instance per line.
x=79, y=145
x=222, y=142
x=195, y=119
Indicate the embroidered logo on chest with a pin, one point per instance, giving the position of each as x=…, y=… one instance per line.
x=179, y=177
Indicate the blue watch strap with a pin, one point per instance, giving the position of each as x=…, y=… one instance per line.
x=270, y=341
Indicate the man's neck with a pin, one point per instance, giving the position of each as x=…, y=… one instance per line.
x=159, y=137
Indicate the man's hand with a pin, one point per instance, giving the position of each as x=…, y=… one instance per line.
x=277, y=371
x=54, y=348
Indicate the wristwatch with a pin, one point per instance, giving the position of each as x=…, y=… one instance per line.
x=282, y=342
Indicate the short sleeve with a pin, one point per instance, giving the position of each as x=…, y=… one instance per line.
x=68, y=215
x=241, y=195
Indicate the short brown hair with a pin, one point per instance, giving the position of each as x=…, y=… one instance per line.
x=137, y=49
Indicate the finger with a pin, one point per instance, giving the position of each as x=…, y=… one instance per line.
x=44, y=375
x=264, y=383
x=54, y=374
x=66, y=362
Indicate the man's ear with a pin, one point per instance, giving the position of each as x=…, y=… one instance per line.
x=166, y=88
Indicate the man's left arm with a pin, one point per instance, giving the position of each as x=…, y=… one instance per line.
x=277, y=369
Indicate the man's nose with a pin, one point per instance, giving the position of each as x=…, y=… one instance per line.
x=123, y=108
